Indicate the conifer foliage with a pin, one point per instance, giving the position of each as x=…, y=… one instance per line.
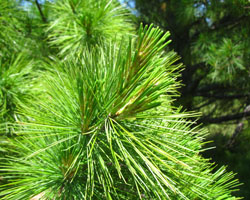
x=102, y=125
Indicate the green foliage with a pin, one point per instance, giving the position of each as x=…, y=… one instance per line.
x=94, y=137
x=225, y=69
x=101, y=123
x=215, y=33
x=237, y=158
x=81, y=24
x=15, y=84
x=11, y=28
x=212, y=38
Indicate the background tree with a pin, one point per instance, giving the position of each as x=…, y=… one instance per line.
x=212, y=37
x=97, y=120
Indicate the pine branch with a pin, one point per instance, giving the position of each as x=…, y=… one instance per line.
x=40, y=11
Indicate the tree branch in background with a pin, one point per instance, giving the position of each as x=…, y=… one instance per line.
x=224, y=96
x=231, y=142
x=203, y=105
x=210, y=87
x=217, y=120
x=41, y=12
x=223, y=23
x=237, y=131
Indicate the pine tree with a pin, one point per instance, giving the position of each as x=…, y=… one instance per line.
x=100, y=123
